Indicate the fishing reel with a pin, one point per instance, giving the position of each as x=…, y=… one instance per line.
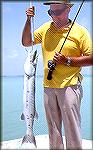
x=51, y=67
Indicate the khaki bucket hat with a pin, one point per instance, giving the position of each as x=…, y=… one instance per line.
x=59, y=2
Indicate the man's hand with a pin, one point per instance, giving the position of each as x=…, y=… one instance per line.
x=30, y=12
x=59, y=58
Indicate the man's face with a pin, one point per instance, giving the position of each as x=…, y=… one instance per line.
x=59, y=11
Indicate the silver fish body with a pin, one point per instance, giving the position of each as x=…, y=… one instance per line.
x=29, y=112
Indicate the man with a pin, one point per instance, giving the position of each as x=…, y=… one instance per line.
x=63, y=93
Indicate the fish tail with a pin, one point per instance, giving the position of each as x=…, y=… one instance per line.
x=29, y=139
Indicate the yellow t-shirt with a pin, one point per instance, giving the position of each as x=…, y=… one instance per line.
x=77, y=44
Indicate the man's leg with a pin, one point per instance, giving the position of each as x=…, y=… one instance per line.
x=70, y=108
x=54, y=119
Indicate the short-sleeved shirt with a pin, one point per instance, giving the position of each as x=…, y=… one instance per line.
x=77, y=44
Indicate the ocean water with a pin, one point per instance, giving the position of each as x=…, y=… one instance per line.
x=12, y=106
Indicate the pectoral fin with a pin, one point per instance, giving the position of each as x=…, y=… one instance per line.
x=22, y=116
x=36, y=115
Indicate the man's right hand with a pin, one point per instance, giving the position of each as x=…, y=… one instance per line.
x=30, y=12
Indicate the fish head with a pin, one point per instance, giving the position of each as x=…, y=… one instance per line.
x=30, y=64
x=34, y=56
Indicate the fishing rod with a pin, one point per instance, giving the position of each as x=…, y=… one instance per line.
x=51, y=64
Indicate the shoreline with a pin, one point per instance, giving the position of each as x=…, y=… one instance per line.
x=42, y=143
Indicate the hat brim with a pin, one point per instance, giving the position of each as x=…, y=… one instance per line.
x=57, y=2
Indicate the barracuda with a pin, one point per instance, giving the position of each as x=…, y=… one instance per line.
x=29, y=112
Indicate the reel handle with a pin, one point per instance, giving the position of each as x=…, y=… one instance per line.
x=49, y=76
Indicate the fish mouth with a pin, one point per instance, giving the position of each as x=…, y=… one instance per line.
x=34, y=55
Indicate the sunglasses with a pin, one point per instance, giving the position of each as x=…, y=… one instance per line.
x=57, y=12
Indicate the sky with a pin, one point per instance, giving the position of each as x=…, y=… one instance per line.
x=12, y=24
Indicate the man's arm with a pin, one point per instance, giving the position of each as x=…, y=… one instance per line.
x=74, y=61
x=26, y=35
x=82, y=61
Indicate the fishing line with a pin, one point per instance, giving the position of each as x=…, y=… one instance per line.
x=32, y=32
x=32, y=26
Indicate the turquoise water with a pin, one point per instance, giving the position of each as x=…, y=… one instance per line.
x=12, y=104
